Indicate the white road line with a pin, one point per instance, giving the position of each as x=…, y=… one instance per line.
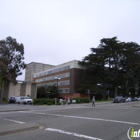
x=40, y=113
x=73, y=134
x=98, y=119
x=15, y=121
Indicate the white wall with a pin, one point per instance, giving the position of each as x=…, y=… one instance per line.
x=28, y=89
x=14, y=90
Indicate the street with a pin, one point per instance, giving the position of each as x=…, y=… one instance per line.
x=105, y=121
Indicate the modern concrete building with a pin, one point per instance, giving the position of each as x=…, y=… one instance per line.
x=67, y=76
x=34, y=67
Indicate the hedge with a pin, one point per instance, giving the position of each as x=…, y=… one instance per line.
x=81, y=100
x=45, y=101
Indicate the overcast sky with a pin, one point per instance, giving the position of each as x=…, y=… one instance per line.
x=58, y=31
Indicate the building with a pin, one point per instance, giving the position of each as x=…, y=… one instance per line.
x=67, y=76
x=34, y=67
x=21, y=88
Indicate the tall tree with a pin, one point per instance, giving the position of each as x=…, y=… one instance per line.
x=113, y=64
x=11, y=61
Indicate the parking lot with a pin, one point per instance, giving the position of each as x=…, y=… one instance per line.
x=106, y=121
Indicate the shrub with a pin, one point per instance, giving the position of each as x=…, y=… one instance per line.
x=40, y=101
x=86, y=100
x=45, y=101
x=58, y=103
x=49, y=103
x=4, y=99
x=78, y=100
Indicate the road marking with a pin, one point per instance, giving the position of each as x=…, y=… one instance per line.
x=40, y=113
x=15, y=121
x=98, y=119
x=73, y=134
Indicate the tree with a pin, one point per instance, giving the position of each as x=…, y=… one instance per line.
x=113, y=64
x=11, y=61
x=47, y=92
x=51, y=91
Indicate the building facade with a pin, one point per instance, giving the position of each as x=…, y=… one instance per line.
x=34, y=67
x=67, y=76
x=22, y=88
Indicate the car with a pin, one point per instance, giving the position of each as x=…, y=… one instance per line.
x=25, y=100
x=118, y=99
x=12, y=99
x=128, y=99
x=134, y=99
x=17, y=99
x=138, y=98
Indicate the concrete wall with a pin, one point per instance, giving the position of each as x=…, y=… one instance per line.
x=21, y=89
x=28, y=89
x=33, y=91
x=14, y=90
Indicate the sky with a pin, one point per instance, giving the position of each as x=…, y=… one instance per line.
x=57, y=31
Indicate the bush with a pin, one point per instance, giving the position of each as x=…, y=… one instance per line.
x=49, y=103
x=58, y=103
x=40, y=101
x=4, y=99
x=86, y=100
x=45, y=101
x=78, y=100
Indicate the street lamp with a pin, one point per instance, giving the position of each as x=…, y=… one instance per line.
x=57, y=78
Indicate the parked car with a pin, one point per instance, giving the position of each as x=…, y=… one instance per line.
x=17, y=99
x=12, y=99
x=138, y=98
x=118, y=99
x=25, y=100
x=134, y=99
x=128, y=99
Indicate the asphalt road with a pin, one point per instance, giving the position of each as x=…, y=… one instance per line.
x=74, y=122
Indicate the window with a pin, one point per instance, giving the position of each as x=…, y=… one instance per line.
x=53, y=71
x=63, y=90
x=53, y=77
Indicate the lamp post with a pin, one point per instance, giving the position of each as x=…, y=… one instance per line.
x=57, y=78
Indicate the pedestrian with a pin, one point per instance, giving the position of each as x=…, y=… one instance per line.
x=64, y=101
x=68, y=100
x=61, y=101
x=93, y=101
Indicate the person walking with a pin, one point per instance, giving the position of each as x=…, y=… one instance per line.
x=68, y=100
x=93, y=101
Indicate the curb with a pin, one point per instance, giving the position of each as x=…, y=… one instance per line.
x=14, y=110
x=19, y=130
x=136, y=106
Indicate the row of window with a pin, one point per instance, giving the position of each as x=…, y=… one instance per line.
x=64, y=75
x=53, y=71
x=63, y=90
x=60, y=83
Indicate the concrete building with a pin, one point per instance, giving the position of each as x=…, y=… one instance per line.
x=34, y=67
x=68, y=77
